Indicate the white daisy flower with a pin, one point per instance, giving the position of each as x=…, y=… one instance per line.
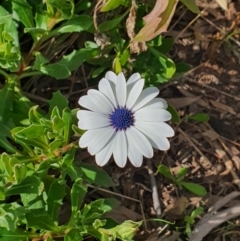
x=123, y=120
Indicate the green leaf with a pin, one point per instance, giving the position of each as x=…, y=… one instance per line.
x=58, y=100
x=41, y=222
x=56, y=194
x=6, y=100
x=182, y=173
x=169, y=66
x=96, y=72
x=58, y=123
x=166, y=45
x=111, y=24
x=109, y=204
x=62, y=69
x=175, y=116
x=97, y=208
x=20, y=172
x=188, y=230
x=24, y=12
x=194, y=188
x=39, y=61
x=112, y=4
x=196, y=212
x=77, y=130
x=165, y=171
x=77, y=57
x=124, y=57
x=96, y=175
x=76, y=24
x=67, y=118
x=10, y=215
x=34, y=202
x=31, y=131
x=191, y=5
x=4, y=142
x=30, y=184
x=41, y=19
x=60, y=9
x=9, y=25
x=182, y=68
x=2, y=193
x=57, y=70
x=19, y=235
x=78, y=193
x=199, y=117
x=69, y=157
x=74, y=234
x=123, y=231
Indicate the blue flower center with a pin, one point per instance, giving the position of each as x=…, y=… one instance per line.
x=121, y=118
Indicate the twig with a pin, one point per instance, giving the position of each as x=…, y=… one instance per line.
x=155, y=196
x=194, y=146
x=194, y=20
x=212, y=88
x=213, y=218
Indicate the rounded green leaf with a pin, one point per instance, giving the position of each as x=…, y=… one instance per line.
x=194, y=188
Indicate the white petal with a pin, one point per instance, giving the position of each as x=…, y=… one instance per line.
x=86, y=138
x=155, y=139
x=100, y=139
x=86, y=102
x=141, y=142
x=152, y=115
x=121, y=90
x=134, y=93
x=87, y=114
x=120, y=149
x=104, y=155
x=133, y=78
x=157, y=103
x=101, y=100
x=105, y=87
x=91, y=120
x=135, y=157
x=160, y=128
x=147, y=95
x=111, y=76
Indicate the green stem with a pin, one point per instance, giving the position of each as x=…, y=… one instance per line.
x=3, y=73
x=30, y=74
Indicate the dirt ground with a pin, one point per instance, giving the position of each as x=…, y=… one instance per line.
x=210, y=42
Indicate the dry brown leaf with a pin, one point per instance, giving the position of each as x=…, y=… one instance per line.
x=223, y=4
x=236, y=161
x=157, y=20
x=131, y=20
x=176, y=209
x=223, y=107
x=121, y=214
x=212, y=135
x=183, y=101
x=135, y=47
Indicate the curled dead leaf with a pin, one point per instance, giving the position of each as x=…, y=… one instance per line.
x=183, y=101
x=157, y=20
x=135, y=47
x=176, y=209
